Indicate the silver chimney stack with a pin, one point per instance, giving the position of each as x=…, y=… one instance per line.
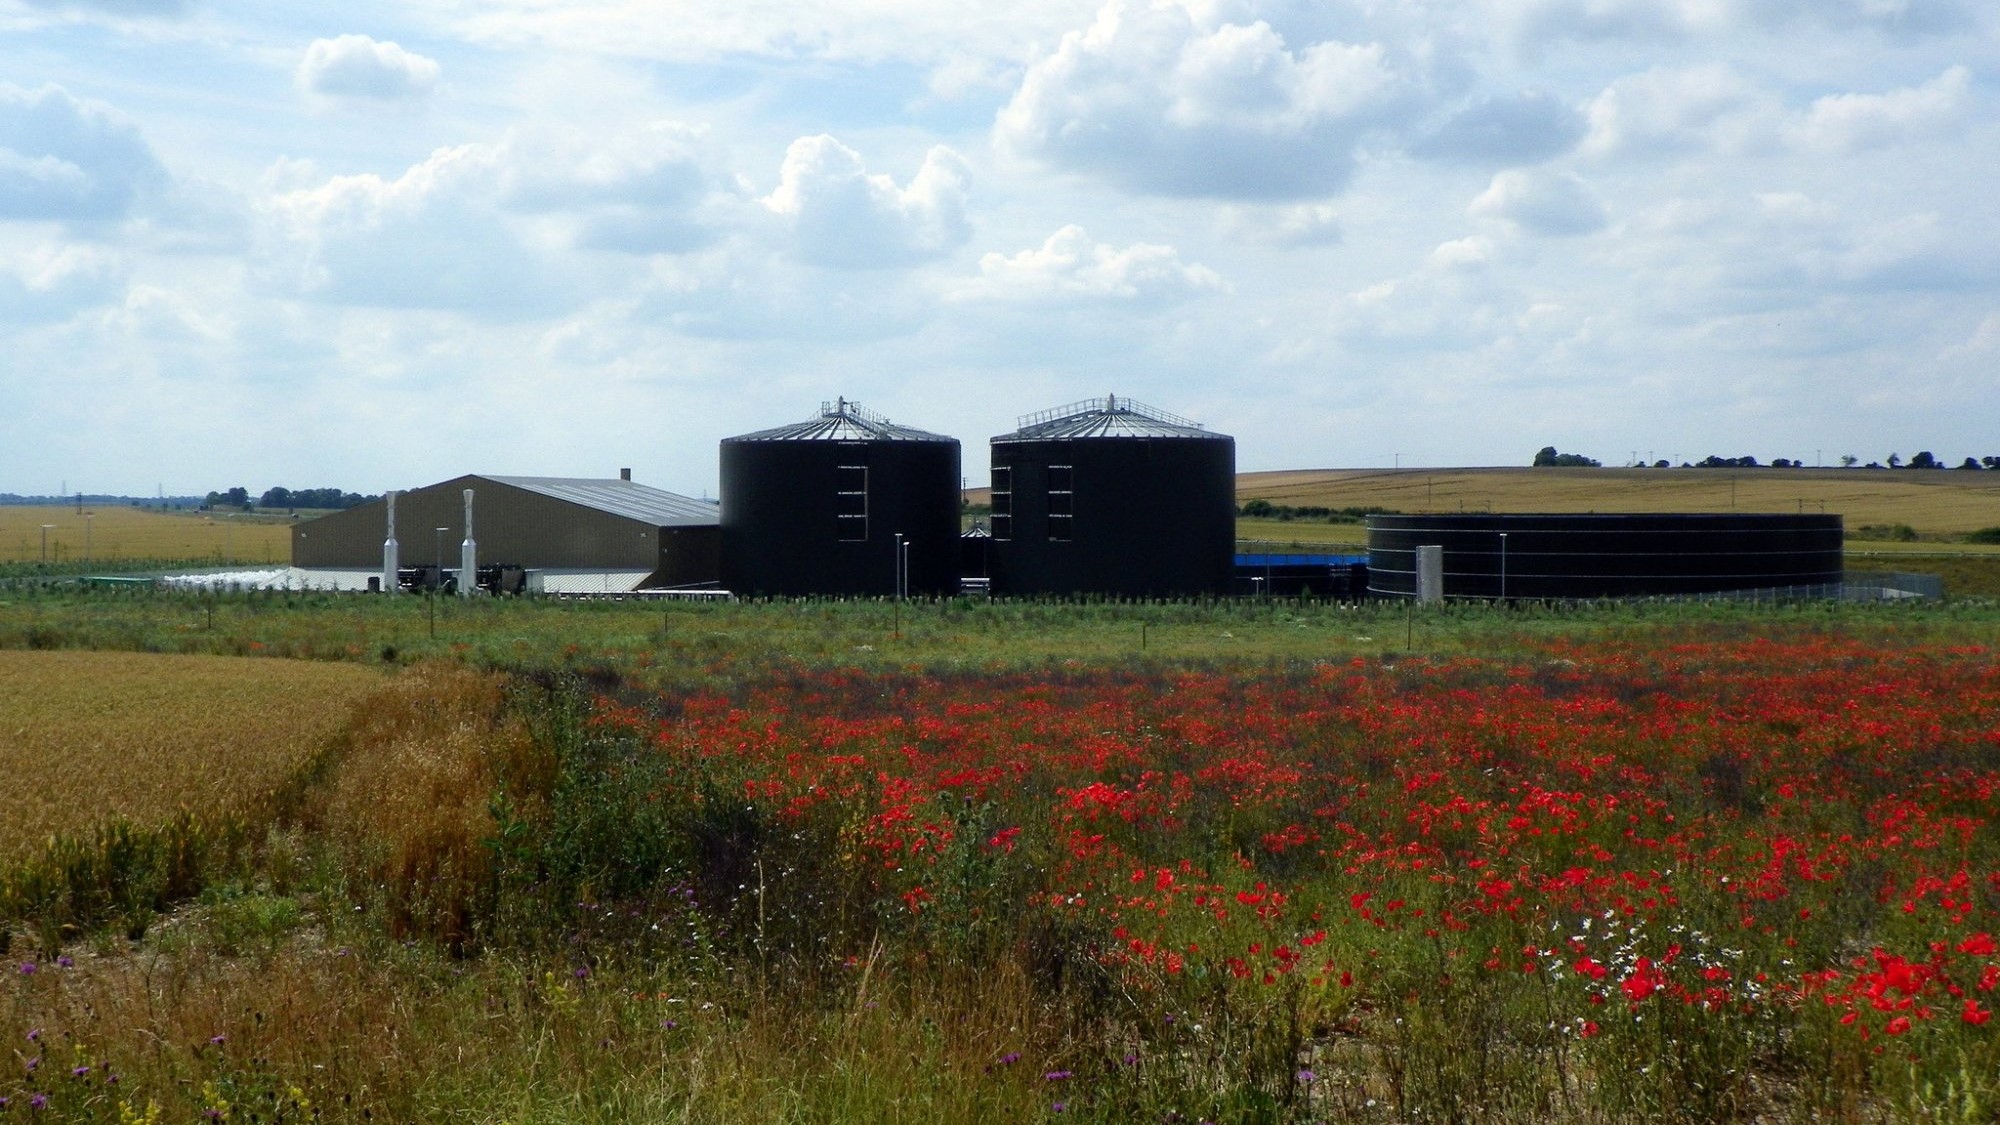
x=468, y=555
x=390, y=563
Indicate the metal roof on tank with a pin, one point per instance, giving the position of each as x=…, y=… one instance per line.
x=640, y=502
x=1107, y=417
x=843, y=420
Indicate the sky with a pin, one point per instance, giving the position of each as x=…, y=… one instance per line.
x=377, y=245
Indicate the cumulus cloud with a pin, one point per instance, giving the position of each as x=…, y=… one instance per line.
x=1540, y=203
x=844, y=216
x=1071, y=266
x=1531, y=24
x=1984, y=341
x=1293, y=225
x=356, y=67
x=1526, y=128
x=1851, y=122
x=653, y=189
x=1155, y=99
x=1470, y=252
x=52, y=282
x=1712, y=107
x=67, y=159
x=433, y=237
x=1669, y=109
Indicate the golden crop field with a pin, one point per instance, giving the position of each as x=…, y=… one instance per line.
x=112, y=533
x=88, y=735
x=1935, y=502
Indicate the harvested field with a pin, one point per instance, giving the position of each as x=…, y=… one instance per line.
x=112, y=534
x=85, y=736
x=1933, y=502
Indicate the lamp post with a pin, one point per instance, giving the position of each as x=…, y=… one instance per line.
x=437, y=580
x=1503, y=566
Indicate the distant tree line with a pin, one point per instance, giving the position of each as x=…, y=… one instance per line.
x=1547, y=457
x=1265, y=510
x=281, y=497
x=1923, y=460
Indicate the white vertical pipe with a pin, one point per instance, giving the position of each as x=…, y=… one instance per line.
x=1430, y=574
x=391, y=564
x=468, y=555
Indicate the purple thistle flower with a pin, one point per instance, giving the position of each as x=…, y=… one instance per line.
x=27, y=968
x=217, y=1040
x=1055, y=1076
x=64, y=961
x=31, y=1065
x=39, y=1101
x=79, y=1072
x=1307, y=1077
x=1010, y=1058
x=1059, y=1107
x=34, y=1034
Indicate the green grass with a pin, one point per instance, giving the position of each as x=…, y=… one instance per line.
x=710, y=638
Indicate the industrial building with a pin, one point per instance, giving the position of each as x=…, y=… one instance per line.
x=843, y=504
x=605, y=533
x=1604, y=555
x=1112, y=497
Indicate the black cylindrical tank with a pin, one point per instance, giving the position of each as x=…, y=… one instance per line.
x=1605, y=555
x=843, y=504
x=1111, y=497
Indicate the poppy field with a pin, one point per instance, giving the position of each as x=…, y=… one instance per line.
x=1705, y=880
x=1696, y=872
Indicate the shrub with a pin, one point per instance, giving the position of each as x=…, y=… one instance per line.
x=1885, y=532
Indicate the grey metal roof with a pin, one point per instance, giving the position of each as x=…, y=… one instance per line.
x=655, y=506
x=843, y=420
x=1111, y=417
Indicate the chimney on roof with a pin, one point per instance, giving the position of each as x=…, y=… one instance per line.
x=624, y=474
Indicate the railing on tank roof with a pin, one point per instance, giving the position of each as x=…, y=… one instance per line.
x=848, y=408
x=1109, y=404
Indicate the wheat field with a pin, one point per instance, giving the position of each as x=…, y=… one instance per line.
x=89, y=735
x=1933, y=502
x=112, y=534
